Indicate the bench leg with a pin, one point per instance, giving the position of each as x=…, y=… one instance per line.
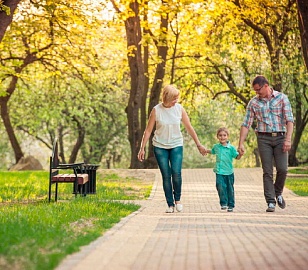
x=84, y=188
x=80, y=190
x=49, y=193
x=56, y=195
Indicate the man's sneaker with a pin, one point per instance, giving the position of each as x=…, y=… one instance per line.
x=224, y=207
x=230, y=209
x=271, y=207
x=179, y=207
x=281, y=202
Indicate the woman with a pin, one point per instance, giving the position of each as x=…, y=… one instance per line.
x=168, y=143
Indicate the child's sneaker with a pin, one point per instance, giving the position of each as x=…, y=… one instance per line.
x=230, y=209
x=224, y=207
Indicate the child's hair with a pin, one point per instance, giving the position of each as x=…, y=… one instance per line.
x=169, y=93
x=222, y=129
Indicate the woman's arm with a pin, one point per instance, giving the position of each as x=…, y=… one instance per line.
x=147, y=134
x=192, y=132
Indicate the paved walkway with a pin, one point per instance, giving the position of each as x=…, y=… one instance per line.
x=203, y=236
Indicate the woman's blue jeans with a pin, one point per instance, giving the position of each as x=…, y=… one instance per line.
x=170, y=164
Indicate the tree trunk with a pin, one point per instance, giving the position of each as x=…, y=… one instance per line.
x=144, y=115
x=6, y=19
x=4, y=100
x=302, y=8
x=140, y=83
x=133, y=33
x=162, y=51
x=301, y=120
x=9, y=129
x=30, y=58
x=77, y=145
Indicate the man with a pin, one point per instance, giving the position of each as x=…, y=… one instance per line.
x=273, y=113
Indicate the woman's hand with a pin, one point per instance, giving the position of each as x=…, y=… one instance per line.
x=141, y=155
x=202, y=150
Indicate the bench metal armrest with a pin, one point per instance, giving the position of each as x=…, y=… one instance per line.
x=69, y=166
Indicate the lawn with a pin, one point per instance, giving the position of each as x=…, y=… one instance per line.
x=298, y=185
x=35, y=234
x=299, y=170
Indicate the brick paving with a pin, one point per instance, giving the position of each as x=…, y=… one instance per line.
x=203, y=236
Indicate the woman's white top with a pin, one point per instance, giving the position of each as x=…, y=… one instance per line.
x=168, y=126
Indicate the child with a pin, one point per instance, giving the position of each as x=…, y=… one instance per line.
x=225, y=153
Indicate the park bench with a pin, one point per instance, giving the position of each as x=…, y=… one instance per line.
x=77, y=178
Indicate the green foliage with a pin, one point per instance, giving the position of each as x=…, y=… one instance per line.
x=79, y=82
x=5, y=8
x=77, y=88
x=35, y=234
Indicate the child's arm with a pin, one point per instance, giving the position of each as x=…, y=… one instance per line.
x=239, y=156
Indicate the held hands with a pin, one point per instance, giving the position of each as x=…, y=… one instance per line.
x=202, y=150
x=239, y=156
x=241, y=150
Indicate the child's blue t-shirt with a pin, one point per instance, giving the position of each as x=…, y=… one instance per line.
x=224, y=158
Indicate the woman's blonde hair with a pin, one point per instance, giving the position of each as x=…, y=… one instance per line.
x=170, y=92
x=222, y=129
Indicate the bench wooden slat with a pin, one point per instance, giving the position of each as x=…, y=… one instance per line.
x=70, y=178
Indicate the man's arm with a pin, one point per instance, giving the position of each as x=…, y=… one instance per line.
x=288, y=139
x=243, y=134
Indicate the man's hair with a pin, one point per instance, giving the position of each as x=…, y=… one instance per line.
x=222, y=129
x=260, y=80
x=169, y=93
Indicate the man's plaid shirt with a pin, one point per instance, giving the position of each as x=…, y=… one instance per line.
x=272, y=114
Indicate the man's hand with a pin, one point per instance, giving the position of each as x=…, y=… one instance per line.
x=286, y=145
x=241, y=150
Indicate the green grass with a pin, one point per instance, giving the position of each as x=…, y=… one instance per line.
x=32, y=186
x=35, y=234
x=298, y=185
x=299, y=170
x=128, y=188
